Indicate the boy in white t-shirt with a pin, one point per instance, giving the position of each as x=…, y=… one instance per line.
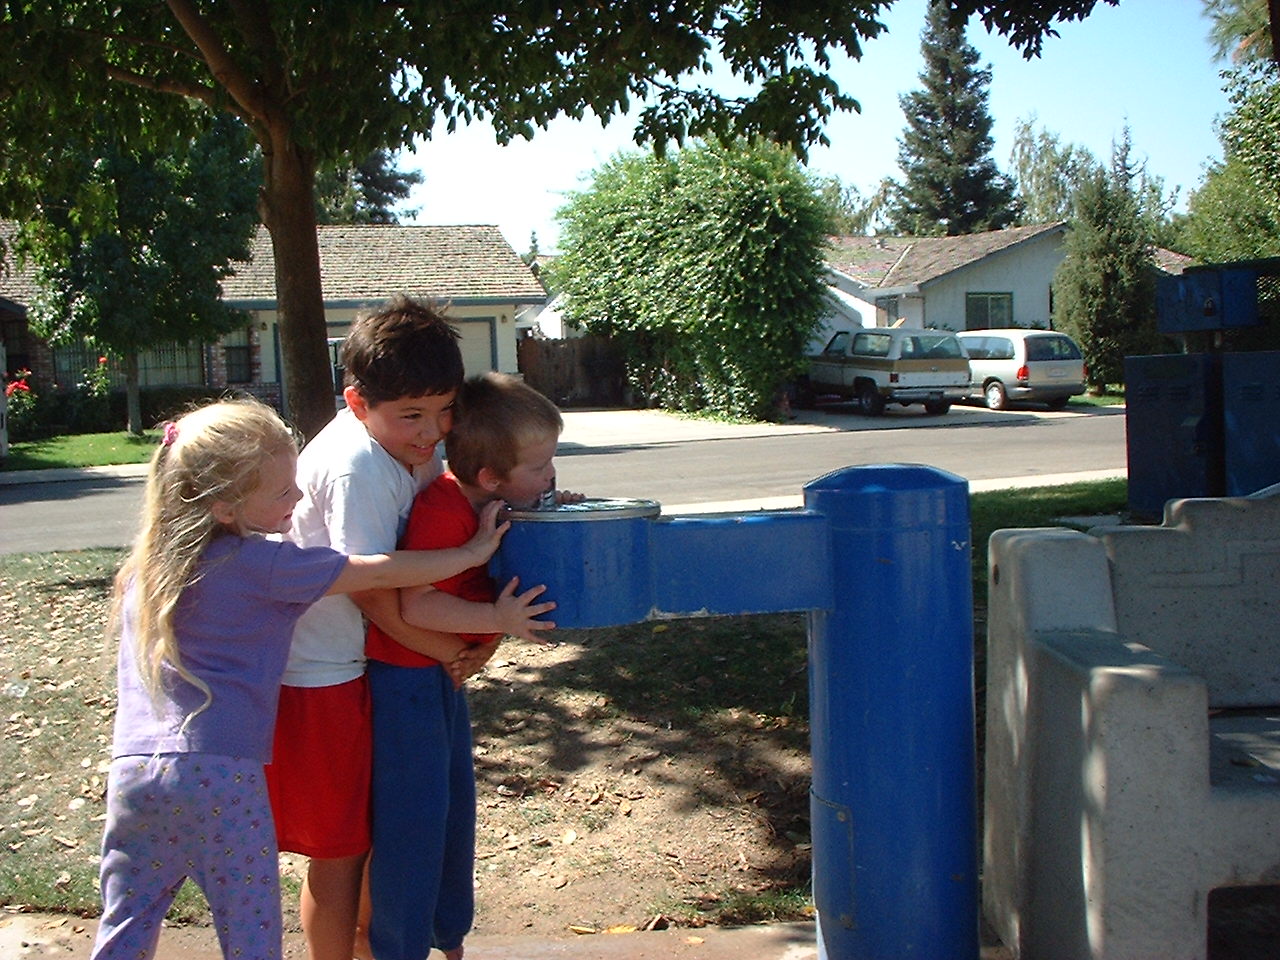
x=359, y=477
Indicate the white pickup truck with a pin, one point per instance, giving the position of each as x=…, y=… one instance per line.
x=890, y=365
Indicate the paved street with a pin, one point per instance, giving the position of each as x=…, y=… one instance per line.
x=685, y=464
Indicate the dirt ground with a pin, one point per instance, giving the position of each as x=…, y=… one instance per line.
x=623, y=777
x=593, y=818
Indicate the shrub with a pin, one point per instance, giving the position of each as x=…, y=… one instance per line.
x=24, y=408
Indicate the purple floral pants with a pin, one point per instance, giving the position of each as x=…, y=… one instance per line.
x=180, y=815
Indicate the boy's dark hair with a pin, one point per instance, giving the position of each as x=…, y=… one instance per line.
x=406, y=349
x=494, y=415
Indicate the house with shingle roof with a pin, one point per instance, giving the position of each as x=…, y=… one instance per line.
x=999, y=278
x=23, y=350
x=470, y=269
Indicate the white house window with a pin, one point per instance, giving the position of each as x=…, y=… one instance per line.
x=988, y=311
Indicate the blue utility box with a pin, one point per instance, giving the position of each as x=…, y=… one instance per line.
x=1204, y=424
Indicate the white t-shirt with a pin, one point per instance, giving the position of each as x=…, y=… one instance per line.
x=355, y=499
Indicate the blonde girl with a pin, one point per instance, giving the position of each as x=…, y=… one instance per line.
x=205, y=607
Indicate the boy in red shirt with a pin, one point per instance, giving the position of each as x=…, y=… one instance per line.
x=501, y=447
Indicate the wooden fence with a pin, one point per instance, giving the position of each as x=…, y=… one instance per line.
x=581, y=372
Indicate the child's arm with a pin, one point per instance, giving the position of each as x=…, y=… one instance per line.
x=511, y=614
x=472, y=660
x=382, y=607
x=408, y=567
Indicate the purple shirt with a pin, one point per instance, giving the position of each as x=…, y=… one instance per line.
x=233, y=625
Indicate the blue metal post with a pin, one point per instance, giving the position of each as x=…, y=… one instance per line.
x=893, y=802
x=881, y=559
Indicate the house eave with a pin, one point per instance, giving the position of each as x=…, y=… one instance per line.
x=375, y=302
x=856, y=288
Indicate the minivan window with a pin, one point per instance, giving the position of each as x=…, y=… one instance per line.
x=1052, y=348
x=1000, y=348
x=989, y=348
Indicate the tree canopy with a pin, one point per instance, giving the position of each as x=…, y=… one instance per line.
x=320, y=80
x=146, y=270
x=1241, y=30
x=950, y=182
x=705, y=266
x=1047, y=172
x=1235, y=212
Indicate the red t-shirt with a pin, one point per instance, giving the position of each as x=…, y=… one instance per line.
x=441, y=517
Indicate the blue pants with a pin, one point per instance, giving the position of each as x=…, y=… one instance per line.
x=424, y=813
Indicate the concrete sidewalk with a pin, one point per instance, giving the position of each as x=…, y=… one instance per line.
x=70, y=938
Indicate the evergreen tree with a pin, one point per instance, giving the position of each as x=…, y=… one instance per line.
x=1240, y=30
x=1104, y=290
x=951, y=185
x=364, y=193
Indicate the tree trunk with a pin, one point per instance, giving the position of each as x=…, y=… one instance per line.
x=288, y=211
x=133, y=401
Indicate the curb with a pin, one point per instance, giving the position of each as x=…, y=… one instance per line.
x=63, y=474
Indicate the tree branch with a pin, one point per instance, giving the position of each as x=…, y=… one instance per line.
x=1273, y=10
x=160, y=84
x=224, y=69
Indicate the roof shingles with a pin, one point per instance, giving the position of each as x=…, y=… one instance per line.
x=912, y=261
x=371, y=262
x=17, y=279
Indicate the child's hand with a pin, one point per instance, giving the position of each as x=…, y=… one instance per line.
x=516, y=613
x=568, y=496
x=472, y=660
x=487, y=538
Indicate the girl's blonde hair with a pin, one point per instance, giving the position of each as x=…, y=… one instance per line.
x=214, y=453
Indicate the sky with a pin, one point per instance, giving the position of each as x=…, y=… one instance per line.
x=1146, y=64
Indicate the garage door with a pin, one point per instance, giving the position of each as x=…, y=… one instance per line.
x=479, y=352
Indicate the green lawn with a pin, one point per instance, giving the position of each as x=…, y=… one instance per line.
x=81, y=450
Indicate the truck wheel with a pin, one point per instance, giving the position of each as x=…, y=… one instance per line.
x=937, y=407
x=869, y=400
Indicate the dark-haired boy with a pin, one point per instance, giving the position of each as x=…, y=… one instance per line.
x=359, y=477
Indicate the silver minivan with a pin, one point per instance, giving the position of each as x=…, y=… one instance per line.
x=1014, y=365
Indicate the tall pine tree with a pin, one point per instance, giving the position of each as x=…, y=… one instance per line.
x=1104, y=289
x=951, y=185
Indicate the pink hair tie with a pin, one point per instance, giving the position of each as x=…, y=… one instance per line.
x=170, y=433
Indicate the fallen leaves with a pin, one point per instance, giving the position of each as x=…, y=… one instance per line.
x=57, y=701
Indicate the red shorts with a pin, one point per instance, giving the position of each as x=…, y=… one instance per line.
x=319, y=775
